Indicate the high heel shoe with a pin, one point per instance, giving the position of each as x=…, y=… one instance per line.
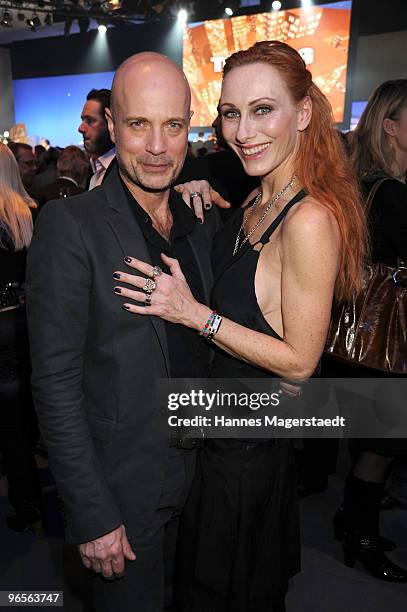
x=340, y=525
x=366, y=550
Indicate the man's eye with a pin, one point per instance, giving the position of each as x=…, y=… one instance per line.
x=231, y=114
x=137, y=123
x=175, y=125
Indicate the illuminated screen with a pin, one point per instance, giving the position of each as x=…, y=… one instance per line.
x=320, y=34
x=51, y=107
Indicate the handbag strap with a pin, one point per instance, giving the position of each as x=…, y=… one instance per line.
x=373, y=191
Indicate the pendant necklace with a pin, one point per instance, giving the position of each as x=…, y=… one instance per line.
x=256, y=202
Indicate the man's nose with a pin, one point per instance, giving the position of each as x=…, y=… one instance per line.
x=156, y=143
x=82, y=128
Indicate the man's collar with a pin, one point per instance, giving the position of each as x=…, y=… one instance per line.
x=104, y=159
x=183, y=216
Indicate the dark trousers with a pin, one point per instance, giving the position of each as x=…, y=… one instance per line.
x=147, y=584
x=18, y=425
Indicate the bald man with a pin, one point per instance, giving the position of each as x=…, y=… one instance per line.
x=95, y=366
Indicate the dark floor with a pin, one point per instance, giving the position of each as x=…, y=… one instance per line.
x=324, y=585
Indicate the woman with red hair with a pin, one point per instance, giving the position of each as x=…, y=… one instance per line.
x=278, y=263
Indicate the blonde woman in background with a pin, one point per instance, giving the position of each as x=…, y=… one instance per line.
x=18, y=430
x=378, y=151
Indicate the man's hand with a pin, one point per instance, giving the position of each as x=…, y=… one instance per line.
x=106, y=555
x=207, y=197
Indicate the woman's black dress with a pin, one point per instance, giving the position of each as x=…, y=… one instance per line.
x=239, y=535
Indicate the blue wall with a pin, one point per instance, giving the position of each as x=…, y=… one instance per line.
x=51, y=107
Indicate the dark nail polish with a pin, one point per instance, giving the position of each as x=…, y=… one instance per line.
x=127, y=259
x=207, y=206
x=200, y=220
x=126, y=307
x=117, y=276
x=117, y=290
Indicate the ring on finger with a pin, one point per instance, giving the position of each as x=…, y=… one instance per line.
x=156, y=271
x=195, y=194
x=150, y=285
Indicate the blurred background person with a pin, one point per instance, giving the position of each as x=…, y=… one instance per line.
x=378, y=150
x=27, y=163
x=72, y=170
x=47, y=170
x=18, y=429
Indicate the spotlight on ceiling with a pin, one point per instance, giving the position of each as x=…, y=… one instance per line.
x=182, y=16
x=276, y=5
x=229, y=11
x=7, y=21
x=30, y=23
x=306, y=3
x=102, y=29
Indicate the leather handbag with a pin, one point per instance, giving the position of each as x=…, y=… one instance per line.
x=370, y=330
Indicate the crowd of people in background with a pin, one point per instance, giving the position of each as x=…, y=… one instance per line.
x=30, y=177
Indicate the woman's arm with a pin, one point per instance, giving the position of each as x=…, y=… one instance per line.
x=310, y=254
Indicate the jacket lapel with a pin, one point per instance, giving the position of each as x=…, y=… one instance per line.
x=199, y=245
x=131, y=240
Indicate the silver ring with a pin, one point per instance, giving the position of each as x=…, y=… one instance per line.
x=148, y=299
x=156, y=271
x=150, y=285
x=195, y=194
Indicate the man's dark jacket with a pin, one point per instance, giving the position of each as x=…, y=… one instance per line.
x=95, y=365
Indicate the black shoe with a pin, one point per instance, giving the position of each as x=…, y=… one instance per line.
x=366, y=549
x=340, y=525
x=26, y=518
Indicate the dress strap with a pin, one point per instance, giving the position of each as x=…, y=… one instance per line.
x=266, y=236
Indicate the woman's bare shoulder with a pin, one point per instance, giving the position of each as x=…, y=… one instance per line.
x=310, y=216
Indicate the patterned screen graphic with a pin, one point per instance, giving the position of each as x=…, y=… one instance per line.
x=320, y=34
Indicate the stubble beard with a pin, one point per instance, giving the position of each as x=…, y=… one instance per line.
x=135, y=177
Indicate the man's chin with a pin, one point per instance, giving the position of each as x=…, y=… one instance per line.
x=152, y=184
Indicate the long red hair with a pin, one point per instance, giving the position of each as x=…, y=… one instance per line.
x=322, y=166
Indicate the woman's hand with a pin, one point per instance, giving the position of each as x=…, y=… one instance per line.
x=170, y=299
x=207, y=196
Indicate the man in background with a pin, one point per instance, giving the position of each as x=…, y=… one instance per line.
x=96, y=137
x=27, y=163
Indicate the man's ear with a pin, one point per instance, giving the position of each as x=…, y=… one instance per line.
x=304, y=113
x=110, y=124
x=389, y=126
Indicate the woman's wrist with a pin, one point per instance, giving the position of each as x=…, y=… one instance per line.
x=198, y=317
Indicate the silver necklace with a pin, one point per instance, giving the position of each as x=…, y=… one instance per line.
x=256, y=202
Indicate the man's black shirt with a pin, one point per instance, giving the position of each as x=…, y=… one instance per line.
x=188, y=353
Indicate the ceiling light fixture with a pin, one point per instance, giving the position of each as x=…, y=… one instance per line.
x=182, y=16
